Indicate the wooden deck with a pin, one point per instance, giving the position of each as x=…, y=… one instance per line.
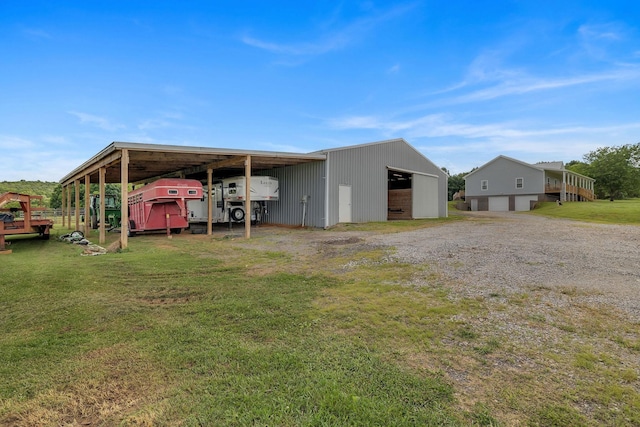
x=582, y=193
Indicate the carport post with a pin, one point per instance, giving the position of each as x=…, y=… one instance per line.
x=63, y=193
x=247, y=198
x=101, y=178
x=69, y=206
x=77, y=206
x=87, y=213
x=209, y=204
x=124, y=199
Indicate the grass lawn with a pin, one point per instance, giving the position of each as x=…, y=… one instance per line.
x=602, y=211
x=197, y=331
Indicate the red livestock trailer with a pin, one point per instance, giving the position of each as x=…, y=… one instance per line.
x=162, y=205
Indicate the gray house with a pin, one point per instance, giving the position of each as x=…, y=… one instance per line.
x=370, y=182
x=506, y=184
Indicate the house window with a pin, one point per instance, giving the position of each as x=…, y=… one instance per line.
x=519, y=182
x=484, y=185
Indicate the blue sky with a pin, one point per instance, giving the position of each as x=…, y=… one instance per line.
x=462, y=81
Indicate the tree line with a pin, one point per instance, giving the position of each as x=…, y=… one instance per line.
x=51, y=192
x=615, y=169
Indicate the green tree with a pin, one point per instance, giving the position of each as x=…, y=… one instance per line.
x=616, y=171
x=55, y=201
x=34, y=188
x=578, y=167
x=56, y=196
x=455, y=183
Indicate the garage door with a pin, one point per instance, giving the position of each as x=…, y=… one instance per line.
x=498, y=204
x=523, y=202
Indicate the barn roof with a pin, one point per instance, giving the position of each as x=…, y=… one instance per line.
x=150, y=161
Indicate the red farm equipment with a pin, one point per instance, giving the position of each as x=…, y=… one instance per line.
x=21, y=220
x=162, y=205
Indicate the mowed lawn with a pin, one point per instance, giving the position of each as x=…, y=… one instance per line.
x=198, y=331
x=602, y=211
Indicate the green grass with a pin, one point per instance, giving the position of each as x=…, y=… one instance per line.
x=601, y=211
x=180, y=331
x=198, y=331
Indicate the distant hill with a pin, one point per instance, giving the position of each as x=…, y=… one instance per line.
x=34, y=188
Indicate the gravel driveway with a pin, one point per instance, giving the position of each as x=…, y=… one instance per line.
x=513, y=253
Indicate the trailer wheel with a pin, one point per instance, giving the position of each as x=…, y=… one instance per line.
x=176, y=230
x=237, y=214
x=132, y=225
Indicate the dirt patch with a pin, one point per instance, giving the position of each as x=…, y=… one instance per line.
x=117, y=382
x=344, y=241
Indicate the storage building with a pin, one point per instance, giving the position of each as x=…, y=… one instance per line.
x=379, y=181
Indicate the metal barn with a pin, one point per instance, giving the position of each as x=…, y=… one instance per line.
x=370, y=182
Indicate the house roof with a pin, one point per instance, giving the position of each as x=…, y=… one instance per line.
x=550, y=165
x=503, y=158
x=557, y=166
x=148, y=161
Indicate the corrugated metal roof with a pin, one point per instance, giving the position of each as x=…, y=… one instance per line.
x=149, y=161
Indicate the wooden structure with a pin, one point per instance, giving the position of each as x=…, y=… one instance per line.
x=137, y=164
x=400, y=204
x=28, y=223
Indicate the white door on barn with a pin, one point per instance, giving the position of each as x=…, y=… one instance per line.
x=344, y=203
x=425, y=196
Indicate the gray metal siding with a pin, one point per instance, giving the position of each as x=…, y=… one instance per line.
x=501, y=175
x=365, y=169
x=295, y=182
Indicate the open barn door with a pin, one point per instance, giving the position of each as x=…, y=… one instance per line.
x=399, y=200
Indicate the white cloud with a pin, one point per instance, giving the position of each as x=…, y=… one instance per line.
x=524, y=85
x=442, y=125
x=606, y=31
x=394, y=69
x=36, y=33
x=330, y=40
x=101, y=122
x=269, y=146
x=36, y=160
x=14, y=143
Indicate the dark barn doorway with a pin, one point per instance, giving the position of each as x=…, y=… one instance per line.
x=400, y=197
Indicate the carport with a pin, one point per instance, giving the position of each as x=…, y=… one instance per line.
x=134, y=163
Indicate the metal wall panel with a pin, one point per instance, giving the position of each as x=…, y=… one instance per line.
x=306, y=179
x=365, y=168
x=425, y=196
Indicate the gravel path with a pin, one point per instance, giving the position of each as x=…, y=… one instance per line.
x=514, y=253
